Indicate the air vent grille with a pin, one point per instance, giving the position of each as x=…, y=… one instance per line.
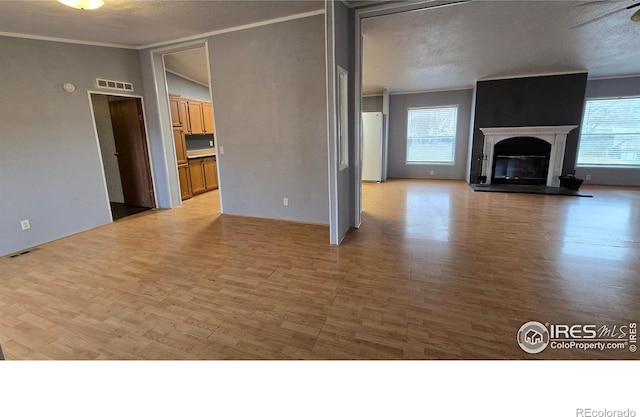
x=114, y=85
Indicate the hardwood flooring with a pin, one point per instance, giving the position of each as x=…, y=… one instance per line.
x=435, y=271
x=120, y=210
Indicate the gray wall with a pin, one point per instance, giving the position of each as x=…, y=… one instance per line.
x=271, y=118
x=159, y=132
x=187, y=88
x=398, y=134
x=344, y=28
x=102, y=116
x=372, y=104
x=615, y=87
x=50, y=170
x=554, y=100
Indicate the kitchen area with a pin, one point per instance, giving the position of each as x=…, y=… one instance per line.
x=187, y=75
x=193, y=135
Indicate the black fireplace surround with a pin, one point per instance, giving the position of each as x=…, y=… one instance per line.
x=521, y=160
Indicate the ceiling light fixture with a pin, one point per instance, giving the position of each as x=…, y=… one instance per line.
x=83, y=4
x=636, y=16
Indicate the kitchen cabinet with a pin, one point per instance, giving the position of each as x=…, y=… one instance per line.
x=196, y=121
x=200, y=117
x=204, y=174
x=194, y=116
x=178, y=108
x=196, y=170
x=185, y=181
x=207, y=117
x=210, y=173
x=181, y=145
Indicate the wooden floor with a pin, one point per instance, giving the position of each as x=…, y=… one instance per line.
x=121, y=210
x=436, y=271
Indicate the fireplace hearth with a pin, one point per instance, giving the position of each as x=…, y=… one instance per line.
x=531, y=155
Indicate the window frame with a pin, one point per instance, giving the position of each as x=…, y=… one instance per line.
x=455, y=136
x=592, y=165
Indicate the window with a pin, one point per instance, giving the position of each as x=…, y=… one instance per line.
x=431, y=135
x=610, y=133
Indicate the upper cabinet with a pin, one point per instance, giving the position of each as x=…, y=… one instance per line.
x=194, y=116
x=196, y=122
x=200, y=117
x=174, y=106
x=207, y=116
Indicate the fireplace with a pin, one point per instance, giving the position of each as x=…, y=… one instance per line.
x=524, y=155
x=521, y=160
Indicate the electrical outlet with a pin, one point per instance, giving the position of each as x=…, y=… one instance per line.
x=25, y=225
x=588, y=177
x=285, y=201
x=222, y=149
x=210, y=143
x=432, y=172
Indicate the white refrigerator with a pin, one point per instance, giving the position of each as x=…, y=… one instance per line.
x=372, y=128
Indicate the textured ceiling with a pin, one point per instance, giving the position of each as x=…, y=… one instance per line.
x=191, y=64
x=138, y=23
x=452, y=47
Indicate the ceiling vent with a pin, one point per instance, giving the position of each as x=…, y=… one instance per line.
x=114, y=85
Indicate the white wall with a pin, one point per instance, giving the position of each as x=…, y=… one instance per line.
x=50, y=169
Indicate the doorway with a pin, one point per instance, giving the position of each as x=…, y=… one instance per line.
x=124, y=150
x=189, y=98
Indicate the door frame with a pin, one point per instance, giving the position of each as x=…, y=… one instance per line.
x=146, y=138
x=164, y=113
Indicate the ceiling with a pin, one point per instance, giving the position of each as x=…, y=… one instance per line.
x=452, y=47
x=420, y=50
x=190, y=64
x=139, y=23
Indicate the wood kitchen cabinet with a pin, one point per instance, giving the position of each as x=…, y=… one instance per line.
x=210, y=173
x=196, y=170
x=181, y=145
x=207, y=117
x=185, y=181
x=178, y=108
x=200, y=117
x=196, y=121
x=204, y=175
x=194, y=116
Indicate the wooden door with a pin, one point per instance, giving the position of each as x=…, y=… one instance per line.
x=195, y=117
x=181, y=146
x=197, y=176
x=132, y=152
x=207, y=117
x=210, y=174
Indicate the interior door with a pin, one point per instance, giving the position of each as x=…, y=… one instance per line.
x=131, y=148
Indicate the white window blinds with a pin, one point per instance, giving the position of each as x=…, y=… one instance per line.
x=431, y=135
x=610, y=133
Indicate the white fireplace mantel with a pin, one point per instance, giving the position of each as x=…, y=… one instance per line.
x=555, y=135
